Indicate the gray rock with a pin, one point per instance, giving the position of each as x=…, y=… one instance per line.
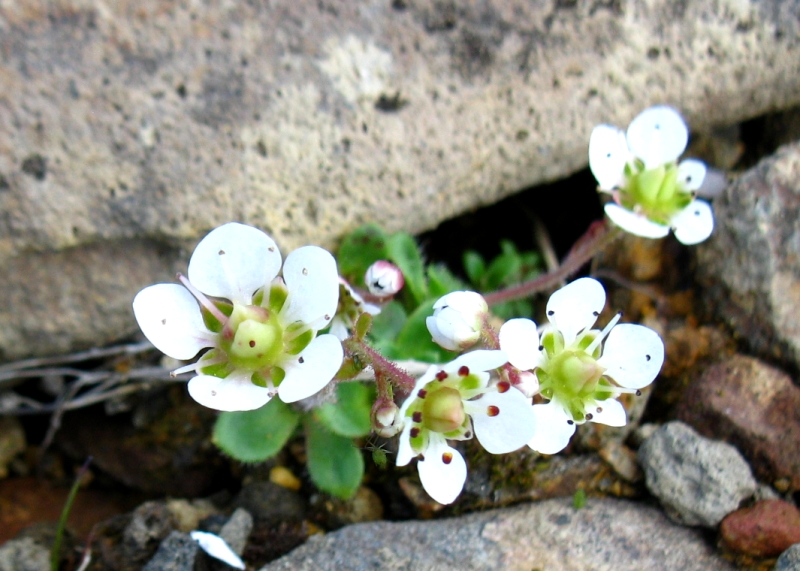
x=150, y=523
x=270, y=503
x=750, y=267
x=144, y=125
x=176, y=553
x=237, y=529
x=789, y=559
x=698, y=481
x=24, y=554
x=605, y=535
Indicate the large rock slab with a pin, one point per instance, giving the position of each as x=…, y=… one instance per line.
x=150, y=120
x=605, y=535
x=751, y=264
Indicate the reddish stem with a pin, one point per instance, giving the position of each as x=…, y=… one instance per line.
x=380, y=364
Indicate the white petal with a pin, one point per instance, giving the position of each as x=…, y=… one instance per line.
x=233, y=261
x=519, y=338
x=657, y=135
x=691, y=173
x=312, y=369
x=612, y=413
x=632, y=355
x=218, y=548
x=694, y=223
x=608, y=154
x=339, y=329
x=635, y=223
x=553, y=430
x=170, y=318
x=313, y=282
x=575, y=307
x=443, y=481
x=510, y=428
x=450, y=331
x=467, y=302
x=404, y=451
x=236, y=392
x=480, y=360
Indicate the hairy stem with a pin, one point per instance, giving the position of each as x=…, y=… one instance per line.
x=382, y=366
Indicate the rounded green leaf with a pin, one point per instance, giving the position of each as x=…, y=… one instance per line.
x=334, y=463
x=255, y=435
x=349, y=416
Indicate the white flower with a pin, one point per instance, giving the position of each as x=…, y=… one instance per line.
x=580, y=379
x=451, y=403
x=384, y=279
x=261, y=330
x=457, y=320
x=217, y=548
x=652, y=193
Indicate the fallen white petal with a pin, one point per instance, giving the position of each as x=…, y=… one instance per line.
x=510, y=428
x=308, y=372
x=443, y=471
x=694, y=223
x=553, y=430
x=657, y=135
x=635, y=223
x=218, y=548
x=691, y=173
x=236, y=392
x=612, y=413
x=632, y=355
x=575, y=307
x=608, y=154
x=313, y=282
x=170, y=318
x=519, y=338
x=233, y=261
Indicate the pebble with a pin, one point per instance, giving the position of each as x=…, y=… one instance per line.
x=236, y=531
x=765, y=529
x=698, y=481
x=24, y=554
x=789, y=559
x=270, y=504
x=176, y=553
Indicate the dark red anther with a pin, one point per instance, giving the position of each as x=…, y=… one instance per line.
x=252, y=343
x=417, y=417
x=441, y=375
x=463, y=370
x=447, y=457
x=414, y=432
x=492, y=410
x=589, y=416
x=422, y=393
x=503, y=386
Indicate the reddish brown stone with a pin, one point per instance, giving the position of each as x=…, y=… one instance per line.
x=753, y=406
x=766, y=529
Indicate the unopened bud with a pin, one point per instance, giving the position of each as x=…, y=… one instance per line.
x=528, y=384
x=387, y=423
x=457, y=320
x=384, y=279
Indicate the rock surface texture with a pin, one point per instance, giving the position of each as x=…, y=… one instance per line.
x=605, y=535
x=765, y=529
x=751, y=264
x=129, y=129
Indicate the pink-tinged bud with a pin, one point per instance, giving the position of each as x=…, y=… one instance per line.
x=528, y=384
x=457, y=320
x=387, y=423
x=384, y=279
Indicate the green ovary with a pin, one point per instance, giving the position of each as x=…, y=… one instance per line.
x=572, y=377
x=655, y=192
x=252, y=338
x=443, y=410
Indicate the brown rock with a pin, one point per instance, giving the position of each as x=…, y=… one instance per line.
x=766, y=529
x=755, y=407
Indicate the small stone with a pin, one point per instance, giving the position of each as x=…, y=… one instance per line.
x=150, y=523
x=176, y=553
x=189, y=513
x=365, y=505
x=24, y=554
x=765, y=529
x=623, y=460
x=698, y=481
x=236, y=531
x=271, y=504
x=789, y=559
x=282, y=476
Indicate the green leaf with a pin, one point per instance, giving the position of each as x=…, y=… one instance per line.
x=350, y=415
x=386, y=326
x=414, y=340
x=334, y=463
x=474, y=267
x=403, y=251
x=359, y=250
x=255, y=435
x=579, y=499
x=442, y=281
x=504, y=268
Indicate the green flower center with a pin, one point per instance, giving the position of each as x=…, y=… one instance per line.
x=657, y=193
x=443, y=410
x=252, y=338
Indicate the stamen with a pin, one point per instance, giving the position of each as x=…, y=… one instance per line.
x=463, y=371
x=204, y=301
x=603, y=334
x=417, y=417
x=492, y=410
x=414, y=432
x=447, y=457
x=441, y=375
x=422, y=393
x=503, y=386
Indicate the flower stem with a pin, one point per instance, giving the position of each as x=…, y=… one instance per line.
x=597, y=237
x=380, y=364
x=55, y=550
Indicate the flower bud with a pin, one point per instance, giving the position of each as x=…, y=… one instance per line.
x=457, y=319
x=386, y=420
x=384, y=279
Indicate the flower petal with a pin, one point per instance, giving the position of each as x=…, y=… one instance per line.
x=553, y=428
x=235, y=392
x=636, y=224
x=308, y=372
x=575, y=307
x=503, y=422
x=694, y=223
x=443, y=471
x=233, y=261
x=657, y=135
x=519, y=338
x=480, y=360
x=170, y=318
x=443, y=331
x=404, y=451
x=608, y=154
x=313, y=282
x=632, y=355
x=339, y=329
x=218, y=548
x=691, y=173
x=609, y=412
